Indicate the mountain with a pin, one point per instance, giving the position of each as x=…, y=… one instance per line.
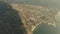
x=32, y=16
x=25, y=18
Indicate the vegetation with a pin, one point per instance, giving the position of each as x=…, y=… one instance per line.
x=10, y=21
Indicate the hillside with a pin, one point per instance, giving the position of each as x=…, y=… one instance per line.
x=32, y=16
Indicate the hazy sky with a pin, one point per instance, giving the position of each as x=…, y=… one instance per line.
x=37, y=2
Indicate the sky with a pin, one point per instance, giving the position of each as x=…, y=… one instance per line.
x=52, y=3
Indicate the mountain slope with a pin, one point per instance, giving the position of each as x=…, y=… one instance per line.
x=32, y=16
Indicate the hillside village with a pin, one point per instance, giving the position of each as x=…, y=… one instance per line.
x=32, y=15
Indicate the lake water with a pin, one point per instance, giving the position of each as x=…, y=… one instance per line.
x=45, y=29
